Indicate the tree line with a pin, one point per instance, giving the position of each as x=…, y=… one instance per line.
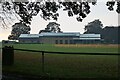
x=109, y=34
x=48, y=10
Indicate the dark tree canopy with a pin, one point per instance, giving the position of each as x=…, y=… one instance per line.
x=49, y=9
x=94, y=27
x=17, y=29
x=52, y=27
x=109, y=34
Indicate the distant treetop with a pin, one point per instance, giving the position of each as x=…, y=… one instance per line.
x=52, y=27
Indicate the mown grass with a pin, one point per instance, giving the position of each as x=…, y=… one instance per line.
x=66, y=65
x=70, y=48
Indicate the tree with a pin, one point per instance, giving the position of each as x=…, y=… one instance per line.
x=52, y=27
x=110, y=5
x=110, y=34
x=94, y=27
x=48, y=9
x=17, y=29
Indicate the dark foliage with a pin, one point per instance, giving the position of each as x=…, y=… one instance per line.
x=110, y=34
x=118, y=7
x=52, y=27
x=110, y=4
x=94, y=27
x=48, y=10
x=26, y=10
x=17, y=29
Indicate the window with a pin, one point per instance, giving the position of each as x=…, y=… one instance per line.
x=6, y=41
x=31, y=41
x=71, y=41
x=56, y=41
x=22, y=41
x=61, y=41
x=66, y=41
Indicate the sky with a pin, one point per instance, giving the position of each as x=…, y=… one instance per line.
x=70, y=24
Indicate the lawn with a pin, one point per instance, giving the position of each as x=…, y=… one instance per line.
x=70, y=48
x=66, y=65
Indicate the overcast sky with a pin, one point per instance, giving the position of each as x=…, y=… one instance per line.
x=70, y=24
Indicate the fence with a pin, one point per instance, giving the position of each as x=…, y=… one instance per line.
x=9, y=59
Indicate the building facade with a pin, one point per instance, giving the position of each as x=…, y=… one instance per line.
x=88, y=39
x=60, y=38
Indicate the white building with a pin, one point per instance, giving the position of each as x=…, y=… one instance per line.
x=60, y=38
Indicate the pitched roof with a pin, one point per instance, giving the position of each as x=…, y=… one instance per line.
x=89, y=35
x=75, y=34
x=61, y=34
x=29, y=36
x=48, y=34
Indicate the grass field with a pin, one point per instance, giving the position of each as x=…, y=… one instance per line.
x=66, y=65
x=70, y=48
